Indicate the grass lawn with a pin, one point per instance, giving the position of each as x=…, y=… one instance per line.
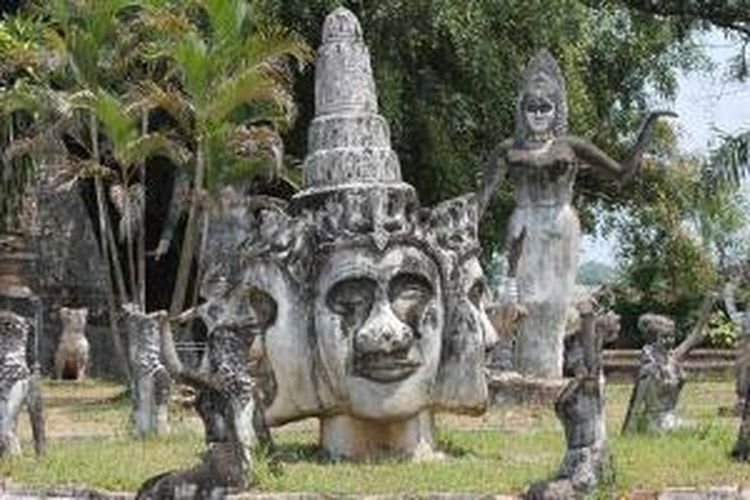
x=503, y=451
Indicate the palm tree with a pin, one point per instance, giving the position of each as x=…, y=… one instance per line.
x=231, y=76
x=74, y=100
x=730, y=162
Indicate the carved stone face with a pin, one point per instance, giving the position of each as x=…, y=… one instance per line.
x=379, y=323
x=475, y=287
x=469, y=335
x=539, y=110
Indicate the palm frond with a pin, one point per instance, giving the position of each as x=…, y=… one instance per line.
x=730, y=162
x=227, y=18
x=251, y=84
x=172, y=101
x=118, y=126
x=274, y=43
x=139, y=150
x=191, y=55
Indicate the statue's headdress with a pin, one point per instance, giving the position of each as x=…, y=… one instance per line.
x=543, y=73
x=353, y=189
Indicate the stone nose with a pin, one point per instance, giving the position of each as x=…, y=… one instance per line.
x=383, y=333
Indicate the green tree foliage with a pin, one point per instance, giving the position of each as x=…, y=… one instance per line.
x=447, y=74
x=675, y=239
x=20, y=61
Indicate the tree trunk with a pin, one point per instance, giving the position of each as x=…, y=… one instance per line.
x=187, y=253
x=111, y=294
x=141, y=255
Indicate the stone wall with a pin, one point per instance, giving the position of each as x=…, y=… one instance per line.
x=70, y=272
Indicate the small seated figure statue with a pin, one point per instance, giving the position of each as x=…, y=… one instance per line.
x=227, y=401
x=151, y=379
x=17, y=385
x=580, y=408
x=72, y=355
x=660, y=376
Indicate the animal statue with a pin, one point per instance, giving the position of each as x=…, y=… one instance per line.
x=18, y=385
x=227, y=403
x=152, y=383
x=72, y=355
x=661, y=376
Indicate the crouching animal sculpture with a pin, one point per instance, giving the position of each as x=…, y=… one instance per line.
x=72, y=355
x=151, y=379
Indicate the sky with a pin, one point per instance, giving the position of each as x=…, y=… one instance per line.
x=708, y=104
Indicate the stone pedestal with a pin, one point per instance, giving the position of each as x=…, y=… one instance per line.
x=512, y=388
x=352, y=438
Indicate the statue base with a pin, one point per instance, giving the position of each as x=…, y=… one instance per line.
x=346, y=437
x=512, y=388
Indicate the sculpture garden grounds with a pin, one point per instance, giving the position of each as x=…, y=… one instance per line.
x=500, y=452
x=308, y=241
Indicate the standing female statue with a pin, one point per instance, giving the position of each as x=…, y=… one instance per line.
x=542, y=161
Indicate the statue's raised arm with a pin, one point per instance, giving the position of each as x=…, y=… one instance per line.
x=589, y=154
x=541, y=161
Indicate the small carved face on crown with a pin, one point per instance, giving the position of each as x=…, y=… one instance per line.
x=73, y=319
x=379, y=322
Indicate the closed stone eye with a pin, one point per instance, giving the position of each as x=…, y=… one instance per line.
x=409, y=294
x=352, y=299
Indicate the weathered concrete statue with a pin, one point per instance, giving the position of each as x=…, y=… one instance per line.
x=379, y=304
x=580, y=408
x=152, y=382
x=741, y=448
x=18, y=385
x=542, y=161
x=660, y=376
x=741, y=320
x=227, y=400
x=72, y=355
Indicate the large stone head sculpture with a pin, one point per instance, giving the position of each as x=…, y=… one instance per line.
x=378, y=302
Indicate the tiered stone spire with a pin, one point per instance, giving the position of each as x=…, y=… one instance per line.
x=349, y=142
